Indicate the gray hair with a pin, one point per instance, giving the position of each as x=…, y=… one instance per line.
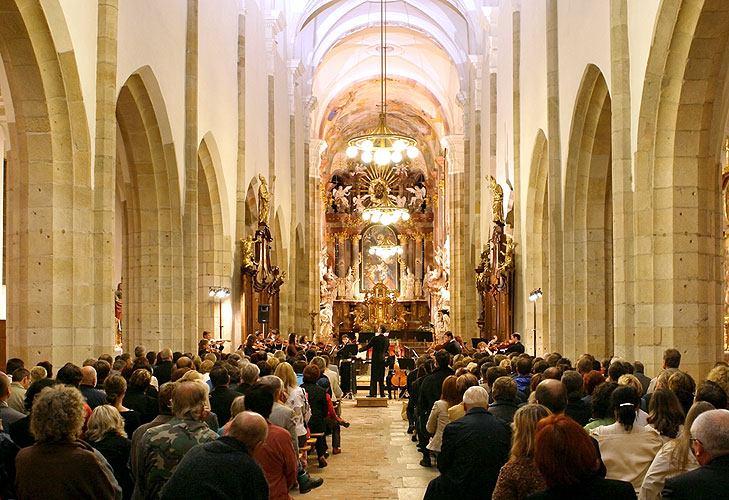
x=249, y=373
x=476, y=397
x=711, y=429
x=272, y=383
x=189, y=399
x=104, y=419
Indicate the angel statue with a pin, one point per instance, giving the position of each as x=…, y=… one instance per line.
x=497, y=204
x=400, y=168
x=248, y=245
x=508, y=255
x=400, y=201
x=408, y=284
x=358, y=202
x=339, y=194
x=418, y=195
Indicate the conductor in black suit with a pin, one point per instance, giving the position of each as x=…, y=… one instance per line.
x=379, y=345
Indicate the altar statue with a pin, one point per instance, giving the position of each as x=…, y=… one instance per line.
x=264, y=200
x=497, y=204
x=408, y=284
x=249, y=252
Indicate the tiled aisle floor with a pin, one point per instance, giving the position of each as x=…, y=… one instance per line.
x=378, y=459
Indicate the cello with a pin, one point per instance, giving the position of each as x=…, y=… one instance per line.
x=399, y=378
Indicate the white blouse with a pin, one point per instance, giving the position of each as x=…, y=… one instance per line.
x=661, y=469
x=437, y=421
x=297, y=401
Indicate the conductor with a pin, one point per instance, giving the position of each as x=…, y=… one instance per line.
x=379, y=345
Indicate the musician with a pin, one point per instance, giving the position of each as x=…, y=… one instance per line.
x=379, y=345
x=291, y=349
x=451, y=345
x=515, y=344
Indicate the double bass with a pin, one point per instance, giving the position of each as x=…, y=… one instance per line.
x=399, y=378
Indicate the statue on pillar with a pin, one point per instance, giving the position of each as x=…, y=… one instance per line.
x=264, y=200
x=497, y=203
x=408, y=284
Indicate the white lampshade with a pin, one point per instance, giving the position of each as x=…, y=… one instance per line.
x=382, y=157
x=406, y=216
x=399, y=145
x=412, y=152
x=352, y=151
x=367, y=145
x=396, y=157
x=366, y=215
x=376, y=217
x=366, y=157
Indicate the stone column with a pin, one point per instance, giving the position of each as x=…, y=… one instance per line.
x=419, y=264
x=316, y=216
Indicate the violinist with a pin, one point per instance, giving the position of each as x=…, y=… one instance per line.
x=291, y=349
x=515, y=344
x=450, y=345
x=250, y=346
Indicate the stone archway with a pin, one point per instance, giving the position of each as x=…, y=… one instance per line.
x=681, y=127
x=588, y=222
x=213, y=247
x=152, y=237
x=49, y=247
x=537, y=244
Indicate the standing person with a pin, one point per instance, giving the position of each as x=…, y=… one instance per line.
x=429, y=392
x=379, y=345
x=317, y=398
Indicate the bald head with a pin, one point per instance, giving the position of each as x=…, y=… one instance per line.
x=552, y=394
x=88, y=376
x=184, y=362
x=711, y=430
x=250, y=429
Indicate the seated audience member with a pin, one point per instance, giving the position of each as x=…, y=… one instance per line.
x=230, y=471
x=639, y=372
x=20, y=383
x=438, y=418
x=37, y=373
x=627, y=448
x=105, y=432
x=248, y=376
x=317, y=398
x=710, y=445
x=428, y=394
x=115, y=387
x=720, y=376
x=641, y=417
x=165, y=445
x=683, y=386
x=48, y=366
x=552, y=394
x=221, y=396
x=576, y=407
x=276, y=456
x=463, y=382
x=59, y=465
x=20, y=429
x=602, y=411
x=674, y=457
x=103, y=368
x=237, y=406
x=616, y=370
x=136, y=397
x=8, y=416
x=91, y=394
x=474, y=449
x=163, y=370
x=281, y=415
x=503, y=394
x=666, y=415
x=711, y=392
x=568, y=462
x=295, y=399
x=164, y=406
x=523, y=374
x=519, y=476
x=671, y=362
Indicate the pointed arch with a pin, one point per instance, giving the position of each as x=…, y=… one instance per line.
x=588, y=267
x=251, y=204
x=213, y=247
x=148, y=179
x=537, y=241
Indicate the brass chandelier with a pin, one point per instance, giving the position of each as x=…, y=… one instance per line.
x=382, y=145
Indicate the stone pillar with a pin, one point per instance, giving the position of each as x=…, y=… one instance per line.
x=316, y=216
x=105, y=176
x=274, y=24
x=419, y=264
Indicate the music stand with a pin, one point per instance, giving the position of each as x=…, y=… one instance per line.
x=406, y=363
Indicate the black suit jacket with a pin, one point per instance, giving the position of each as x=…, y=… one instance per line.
x=593, y=488
x=93, y=396
x=578, y=410
x=708, y=482
x=430, y=389
x=503, y=410
x=474, y=449
x=379, y=345
x=220, y=401
x=453, y=347
x=318, y=402
x=163, y=372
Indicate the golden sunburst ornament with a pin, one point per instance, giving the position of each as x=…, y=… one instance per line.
x=381, y=209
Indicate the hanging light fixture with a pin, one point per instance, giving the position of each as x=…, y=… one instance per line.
x=381, y=209
x=382, y=145
x=385, y=249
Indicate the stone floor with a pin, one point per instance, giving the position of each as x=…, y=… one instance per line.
x=378, y=459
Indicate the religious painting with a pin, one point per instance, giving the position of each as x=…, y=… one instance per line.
x=375, y=267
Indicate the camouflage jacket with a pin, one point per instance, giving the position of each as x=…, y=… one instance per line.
x=164, y=447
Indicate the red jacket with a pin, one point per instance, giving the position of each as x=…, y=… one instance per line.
x=278, y=461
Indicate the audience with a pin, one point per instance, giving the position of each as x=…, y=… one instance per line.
x=474, y=449
x=503, y=394
x=429, y=392
x=105, y=432
x=295, y=399
x=59, y=465
x=91, y=394
x=8, y=416
x=710, y=445
x=230, y=471
x=519, y=476
x=601, y=406
x=115, y=387
x=20, y=384
x=666, y=415
x=576, y=407
x=317, y=398
x=438, y=418
x=567, y=460
x=221, y=396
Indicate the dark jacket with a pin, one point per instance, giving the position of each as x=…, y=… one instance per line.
x=93, y=396
x=20, y=433
x=242, y=388
x=379, y=345
x=8, y=452
x=221, y=469
x=61, y=470
x=318, y=403
x=503, y=410
x=146, y=407
x=220, y=401
x=163, y=372
x=595, y=489
x=453, y=347
x=707, y=482
x=430, y=389
x=474, y=449
x=116, y=451
x=578, y=410
x=516, y=347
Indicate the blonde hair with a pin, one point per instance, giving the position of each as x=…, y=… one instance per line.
x=523, y=430
x=103, y=420
x=273, y=362
x=682, y=448
x=206, y=366
x=37, y=373
x=57, y=414
x=720, y=376
x=285, y=372
x=237, y=406
x=632, y=381
x=193, y=376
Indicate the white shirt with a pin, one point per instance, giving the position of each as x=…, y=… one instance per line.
x=297, y=401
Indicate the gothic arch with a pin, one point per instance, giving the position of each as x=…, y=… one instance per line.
x=49, y=259
x=588, y=245
x=681, y=125
x=152, y=267
x=537, y=242
x=251, y=204
x=213, y=247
